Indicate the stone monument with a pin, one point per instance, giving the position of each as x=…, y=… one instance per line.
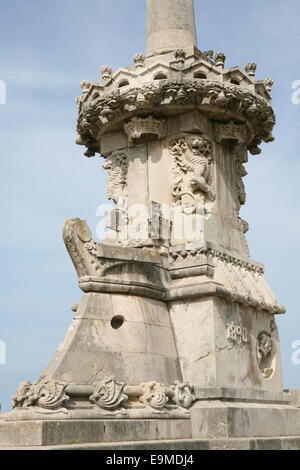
x=174, y=344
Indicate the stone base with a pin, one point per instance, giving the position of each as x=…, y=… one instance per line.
x=103, y=432
x=280, y=443
x=215, y=423
x=219, y=420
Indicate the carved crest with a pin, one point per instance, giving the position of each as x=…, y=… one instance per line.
x=193, y=170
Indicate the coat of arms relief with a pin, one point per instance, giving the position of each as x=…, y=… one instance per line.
x=193, y=169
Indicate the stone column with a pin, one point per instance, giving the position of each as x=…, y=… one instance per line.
x=170, y=31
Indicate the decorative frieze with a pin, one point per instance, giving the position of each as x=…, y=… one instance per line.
x=109, y=397
x=99, y=114
x=189, y=254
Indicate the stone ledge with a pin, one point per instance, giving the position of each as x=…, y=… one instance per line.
x=280, y=443
x=247, y=395
x=58, y=433
x=231, y=420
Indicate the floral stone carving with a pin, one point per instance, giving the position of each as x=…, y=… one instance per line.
x=49, y=395
x=154, y=395
x=109, y=394
x=193, y=171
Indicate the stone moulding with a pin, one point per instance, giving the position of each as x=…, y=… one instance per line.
x=109, y=397
x=183, y=254
x=221, y=101
x=94, y=284
x=106, y=269
x=213, y=289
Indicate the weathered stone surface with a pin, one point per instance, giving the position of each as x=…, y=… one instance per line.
x=140, y=350
x=222, y=420
x=217, y=344
x=73, y=436
x=175, y=337
x=59, y=433
x=165, y=31
x=295, y=396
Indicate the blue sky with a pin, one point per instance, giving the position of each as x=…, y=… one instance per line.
x=46, y=50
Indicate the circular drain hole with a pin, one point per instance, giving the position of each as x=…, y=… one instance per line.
x=117, y=322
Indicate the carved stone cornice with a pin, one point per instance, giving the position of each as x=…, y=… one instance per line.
x=184, y=255
x=212, y=270
x=220, y=101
